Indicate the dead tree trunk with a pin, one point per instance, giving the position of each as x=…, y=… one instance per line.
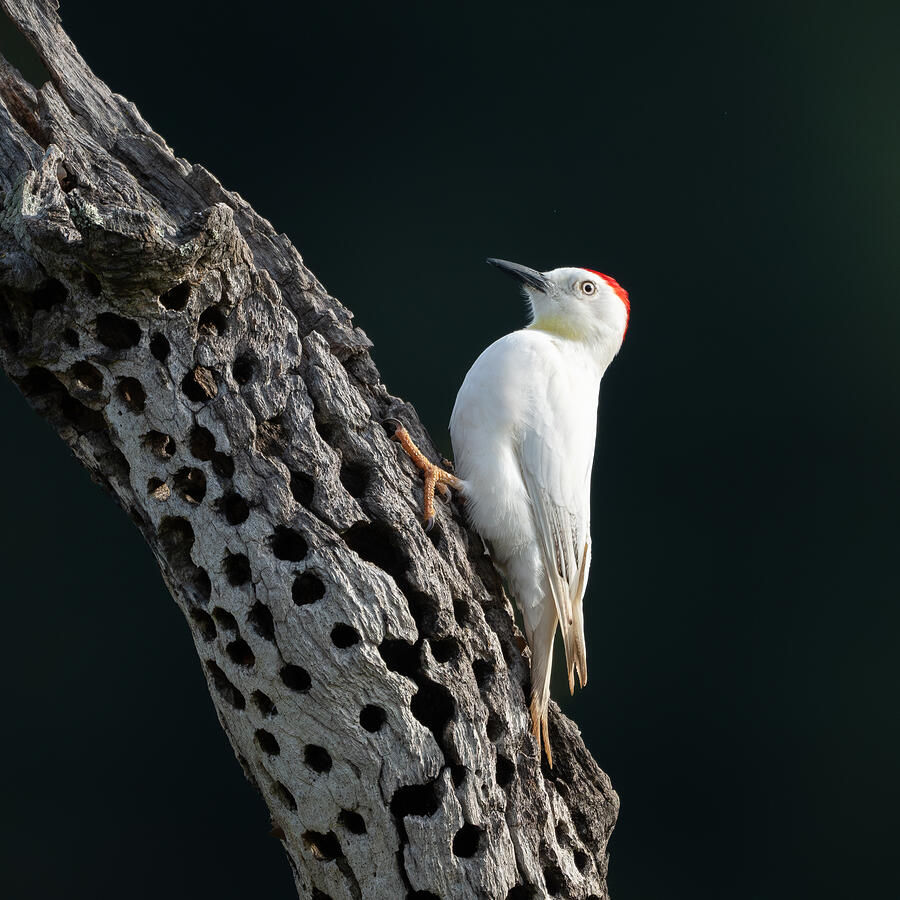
x=369, y=676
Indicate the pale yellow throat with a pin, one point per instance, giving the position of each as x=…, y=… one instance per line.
x=558, y=325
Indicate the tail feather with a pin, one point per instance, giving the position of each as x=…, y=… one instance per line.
x=541, y=658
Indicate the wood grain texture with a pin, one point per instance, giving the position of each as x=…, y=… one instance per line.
x=370, y=677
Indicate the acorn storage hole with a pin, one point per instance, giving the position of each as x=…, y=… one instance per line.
x=190, y=484
x=117, y=332
x=288, y=544
x=445, y=649
x=352, y=821
x=91, y=284
x=354, y=478
x=70, y=336
x=177, y=537
x=202, y=443
x=399, y=656
x=416, y=800
x=296, y=678
x=160, y=347
x=483, y=670
x=325, y=847
x=131, y=392
x=234, y=507
x=225, y=620
x=240, y=654
x=317, y=758
x=51, y=293
x=261, y=621
x=158, y=489
x=433, y=705
x=302, y=488
x=267, y=742
x=376, y=543
x=263, y=703
x=86, y=376
x=242, y=369
x=285, y=797
x=505, y=770
x=224, y=688
x=205, y=624
x=467, y=840
x=212, y=321
x=554, y=879
x=159, y=444
x=237, y=568
x=176, y=298
x=199, y=385
x=372, y=718
x=462, y=612
x=307, y=588
x=344, y=636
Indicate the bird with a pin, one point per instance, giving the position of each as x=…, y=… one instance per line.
x=523, y=431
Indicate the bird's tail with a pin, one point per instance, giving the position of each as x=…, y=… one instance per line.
x=541, y=658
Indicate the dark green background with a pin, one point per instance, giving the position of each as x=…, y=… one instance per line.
x=735, y=166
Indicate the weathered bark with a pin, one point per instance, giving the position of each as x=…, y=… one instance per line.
x=369, y=676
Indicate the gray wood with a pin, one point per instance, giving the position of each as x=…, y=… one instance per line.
x=370, y=677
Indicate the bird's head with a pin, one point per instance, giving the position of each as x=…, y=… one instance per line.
x=579, y=304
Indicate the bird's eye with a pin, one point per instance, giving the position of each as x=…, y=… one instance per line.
x=588, y=287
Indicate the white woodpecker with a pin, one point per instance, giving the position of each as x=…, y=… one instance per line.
x=523, y=432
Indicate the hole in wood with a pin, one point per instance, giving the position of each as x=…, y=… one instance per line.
x=260, y=619
x=267, y=742
x=161, y=445
x=263, y=703
x=225, y=689
x=190, y=484
x=202, y=443
x=131, y=393
x=296, y=678
x=117, y=332
x=433, y=706
x=225, y=620
x=204, y=622
x=505, y=770
x=325, y=847
x=234, y=507
x=91, y=283
x=158, y=489
x=288, y=544
x=352, y=821
x=317, y=758
x=372, y=718
x=302, y=488
x=240, y=654
x=344, y=636
x=445, y=649
x=160, y=347
x=242, y=369
x=285, y=797
x=86, y=376
x=354, y=478
x=199, y=385
x=70, y=336
x=212, y=321
x=237, y=568
x=467, y=840
x=307, y=588
x=176, y=298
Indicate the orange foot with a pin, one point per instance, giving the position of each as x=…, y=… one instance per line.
x=435, y=477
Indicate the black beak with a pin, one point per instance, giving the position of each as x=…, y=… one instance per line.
x=521, y=273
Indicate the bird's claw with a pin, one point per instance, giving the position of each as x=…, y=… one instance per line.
x=428, y=524
x=394, y=424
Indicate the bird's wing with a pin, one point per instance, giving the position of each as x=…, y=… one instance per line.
x=556, y=469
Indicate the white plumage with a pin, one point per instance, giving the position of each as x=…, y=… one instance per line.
x=523, y=431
